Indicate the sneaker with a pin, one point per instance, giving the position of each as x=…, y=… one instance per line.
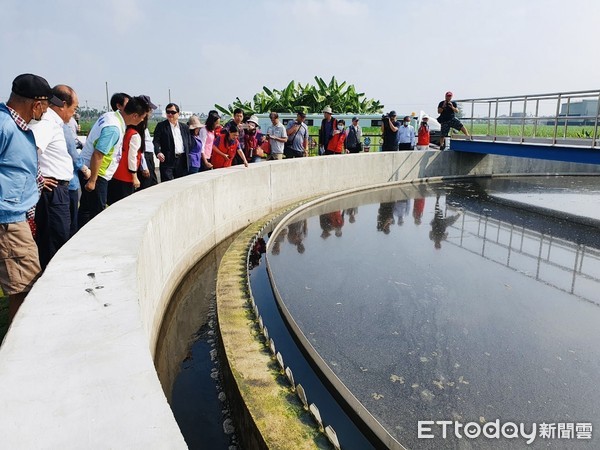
x=442, y=148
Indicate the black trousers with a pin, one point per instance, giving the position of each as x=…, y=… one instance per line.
x=291, y=153
x=405, y=146
x=74, y=208
x=118, y=190
x=52, y=221
x=175, y=169
x=91, y=203
x=152, y=180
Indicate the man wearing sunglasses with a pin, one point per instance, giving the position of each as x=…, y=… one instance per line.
x=172, y=145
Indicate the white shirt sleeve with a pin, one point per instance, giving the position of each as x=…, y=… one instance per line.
x=43, y=133
x=202, y=136
x=134, y=145
x=143, y=163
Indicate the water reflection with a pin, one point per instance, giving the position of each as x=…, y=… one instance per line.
x=331, y=222
x=440, y=223
x=485, y=323
x=296, y=233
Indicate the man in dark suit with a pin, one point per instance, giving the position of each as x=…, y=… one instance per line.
x=172, y=145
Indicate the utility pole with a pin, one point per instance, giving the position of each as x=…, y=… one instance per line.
x=169, y=95
x=107, y=100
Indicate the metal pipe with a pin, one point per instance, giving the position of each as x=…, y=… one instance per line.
x=567, y=117
x=523, y=121
x=556, y=119
x=595, y=137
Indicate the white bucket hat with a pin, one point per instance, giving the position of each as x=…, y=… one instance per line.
x=327, y=109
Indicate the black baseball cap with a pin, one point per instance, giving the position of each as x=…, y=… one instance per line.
x=301, y=113
x=146, y=98
x=34, y=87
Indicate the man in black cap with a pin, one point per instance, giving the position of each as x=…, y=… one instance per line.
x=297, y=133
x=19, y=261
x=353, y=141
x=389, y=128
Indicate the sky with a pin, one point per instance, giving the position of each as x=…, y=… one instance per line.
x=405, y=54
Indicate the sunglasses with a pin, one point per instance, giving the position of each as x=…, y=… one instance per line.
x=172, y=112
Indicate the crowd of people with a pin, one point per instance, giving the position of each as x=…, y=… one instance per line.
x=402, y=136
x=49, y=189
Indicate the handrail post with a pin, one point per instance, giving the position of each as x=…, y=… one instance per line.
x=556, y=119
x=496, y=121
x=472, y=114
x=489, y=118
x=567, y=117
x=510, y=117
x=523, y=120
x=595, y=136
x=537, y=114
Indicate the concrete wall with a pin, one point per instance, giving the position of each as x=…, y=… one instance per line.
x=76, y=368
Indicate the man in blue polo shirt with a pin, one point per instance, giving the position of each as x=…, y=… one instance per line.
x=19, y=262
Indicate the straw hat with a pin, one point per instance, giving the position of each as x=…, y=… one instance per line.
x=194, y=123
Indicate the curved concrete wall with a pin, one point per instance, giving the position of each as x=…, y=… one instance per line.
x=76, y=368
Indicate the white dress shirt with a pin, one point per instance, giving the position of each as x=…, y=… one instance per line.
x=54, y=158
x=176, y=130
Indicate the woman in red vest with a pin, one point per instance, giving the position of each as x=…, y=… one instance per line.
x=125, y=180
x=423, y=135
x=225, y=147
x=336, y=143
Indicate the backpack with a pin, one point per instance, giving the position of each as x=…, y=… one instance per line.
x=352, y=139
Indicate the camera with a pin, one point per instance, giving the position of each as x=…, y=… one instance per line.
x=385, y=116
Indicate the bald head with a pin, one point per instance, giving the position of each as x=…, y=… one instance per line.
x=70, y=101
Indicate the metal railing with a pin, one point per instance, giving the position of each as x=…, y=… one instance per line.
x=566, y=118
x=371, y=143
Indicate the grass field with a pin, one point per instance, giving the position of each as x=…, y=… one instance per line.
x=543, y=131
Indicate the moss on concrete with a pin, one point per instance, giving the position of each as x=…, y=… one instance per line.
x=275, y=410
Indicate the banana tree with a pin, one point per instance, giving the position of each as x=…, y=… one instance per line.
x=342, y=98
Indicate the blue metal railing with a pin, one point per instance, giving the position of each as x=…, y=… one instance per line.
x=569, y=118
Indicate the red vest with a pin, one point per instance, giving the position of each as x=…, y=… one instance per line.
x=219, y=161
x=122, y=173
x=336, y=144
x=423, y=136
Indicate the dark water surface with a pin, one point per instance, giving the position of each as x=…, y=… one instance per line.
x=186, y=359
x=465, y=301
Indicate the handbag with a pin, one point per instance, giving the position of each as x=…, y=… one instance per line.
x=287, y=148
x=264, y=149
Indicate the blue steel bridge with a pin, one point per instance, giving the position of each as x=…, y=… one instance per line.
x=560, y=126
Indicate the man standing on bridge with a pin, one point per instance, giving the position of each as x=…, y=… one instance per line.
x=447, y=110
